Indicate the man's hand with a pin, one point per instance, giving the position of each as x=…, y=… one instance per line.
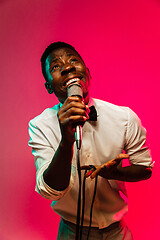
x=114, y=170
x=72, y=112
x=106, y=170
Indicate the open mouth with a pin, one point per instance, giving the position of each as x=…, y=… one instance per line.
x=71, y=81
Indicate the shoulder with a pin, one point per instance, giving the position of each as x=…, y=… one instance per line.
x=113, y=111
x=49, y=114
x=110, y=107
x=101, y=103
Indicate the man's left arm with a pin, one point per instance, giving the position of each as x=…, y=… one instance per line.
x=114, y=170
x=136, y=151
x=132, y=173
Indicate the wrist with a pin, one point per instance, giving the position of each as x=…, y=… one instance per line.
x=112, y=173
x=66, y=146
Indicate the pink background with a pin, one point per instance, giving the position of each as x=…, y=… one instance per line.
x=120, y=43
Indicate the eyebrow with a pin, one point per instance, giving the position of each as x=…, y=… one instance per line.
x=54, y=59
x=70, y=54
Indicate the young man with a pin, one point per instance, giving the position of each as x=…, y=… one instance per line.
x=52, y=138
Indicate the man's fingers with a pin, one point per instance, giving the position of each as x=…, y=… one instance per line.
x=122, y=156
x=90, y=172
x=95, y=170
x=95, y=173
x=85, y=167
x=91, y=168
x=72, y=102
x=72, y=111
x=72, y=120
x=116, y=160
x=72, y=99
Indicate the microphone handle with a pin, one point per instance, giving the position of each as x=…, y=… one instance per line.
x=76, y=90
x=78, y=136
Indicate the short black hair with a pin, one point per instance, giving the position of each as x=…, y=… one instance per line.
x=49, y=49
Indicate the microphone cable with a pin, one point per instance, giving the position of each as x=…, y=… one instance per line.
x=79, y=227
x=79, y=195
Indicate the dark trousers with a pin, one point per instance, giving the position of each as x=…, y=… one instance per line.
x=116, y=231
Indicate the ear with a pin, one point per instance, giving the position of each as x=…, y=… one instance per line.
x=89, y=73
x=49, y=87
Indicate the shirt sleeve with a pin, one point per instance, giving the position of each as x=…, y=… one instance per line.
x=43, y=153
x=135, y=142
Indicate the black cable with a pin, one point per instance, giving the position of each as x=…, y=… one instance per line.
x=94, y=194
x=83, y=204
x=78, y=229
x=79, y=196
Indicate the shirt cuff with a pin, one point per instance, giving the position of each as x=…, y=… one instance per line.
x=45, y=190
x=143, y=158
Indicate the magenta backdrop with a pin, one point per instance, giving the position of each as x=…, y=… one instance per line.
x=120, y=42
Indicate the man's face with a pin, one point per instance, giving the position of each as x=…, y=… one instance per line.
x=63, y=66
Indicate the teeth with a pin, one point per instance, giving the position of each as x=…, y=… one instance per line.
x=72, y=81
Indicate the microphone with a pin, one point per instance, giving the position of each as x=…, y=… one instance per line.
x=74, y=89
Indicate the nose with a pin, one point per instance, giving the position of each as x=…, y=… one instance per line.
x=67, y=69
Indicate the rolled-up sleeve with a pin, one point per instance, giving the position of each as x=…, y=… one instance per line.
x=43, y=153
x=135, y=141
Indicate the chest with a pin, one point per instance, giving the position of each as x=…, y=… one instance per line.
x=101, y=141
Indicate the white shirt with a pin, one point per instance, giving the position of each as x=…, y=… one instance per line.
x=116, y=129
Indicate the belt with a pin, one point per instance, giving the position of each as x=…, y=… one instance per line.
x=106, y=229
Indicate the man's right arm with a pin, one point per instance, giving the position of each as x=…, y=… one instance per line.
x=57, y=175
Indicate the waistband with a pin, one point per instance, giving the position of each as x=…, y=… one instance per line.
x=112, y=226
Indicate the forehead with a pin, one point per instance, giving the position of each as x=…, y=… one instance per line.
x=61, y=53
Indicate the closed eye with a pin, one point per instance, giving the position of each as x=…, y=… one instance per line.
x=73, y=60
x=55, y=67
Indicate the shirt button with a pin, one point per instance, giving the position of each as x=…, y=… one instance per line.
x=102, y=224
x=88, y=155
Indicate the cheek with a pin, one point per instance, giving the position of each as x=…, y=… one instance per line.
x=55, y=78
x=56, y=88
x=49, y=76
x=81, y=68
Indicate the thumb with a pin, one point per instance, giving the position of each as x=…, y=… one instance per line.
x=116, y=160
x=122, y=156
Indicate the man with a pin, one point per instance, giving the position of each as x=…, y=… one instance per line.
x=52, y=138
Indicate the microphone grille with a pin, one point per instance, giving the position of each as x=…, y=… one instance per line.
x=74, y=90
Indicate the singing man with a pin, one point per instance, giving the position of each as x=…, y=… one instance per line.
x=111, y=135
